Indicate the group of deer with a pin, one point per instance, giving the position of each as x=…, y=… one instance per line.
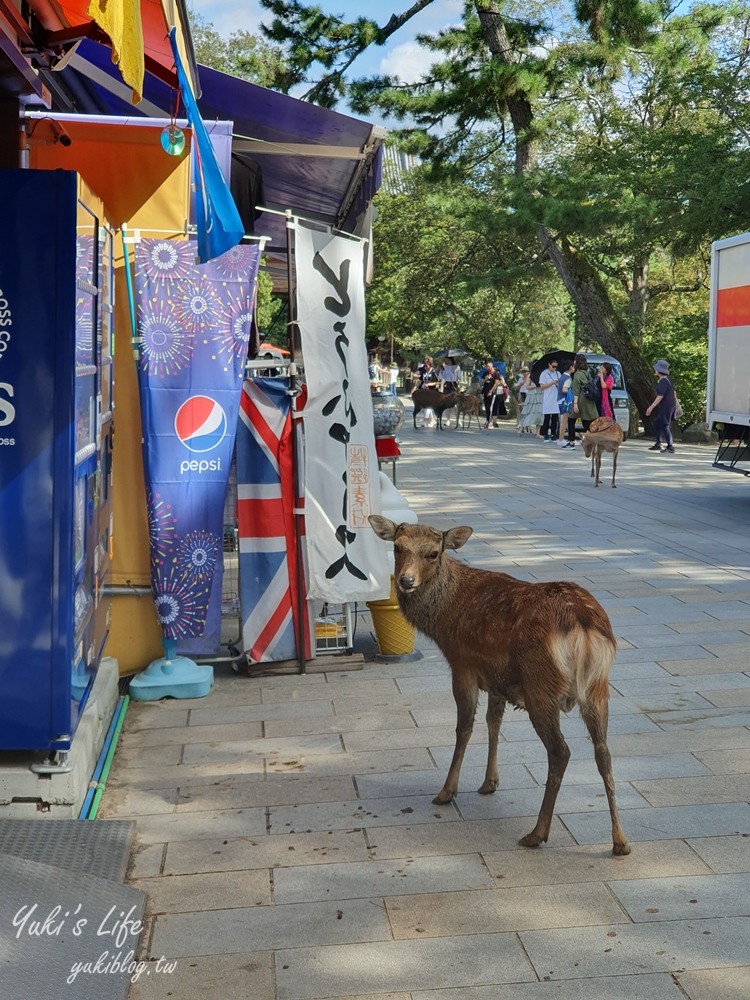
x=553, y=651
x=465, y=404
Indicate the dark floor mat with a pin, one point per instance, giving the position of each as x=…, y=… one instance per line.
x=100, y=848
x=66, y=934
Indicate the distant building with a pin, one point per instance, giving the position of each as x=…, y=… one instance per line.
x=396, y=164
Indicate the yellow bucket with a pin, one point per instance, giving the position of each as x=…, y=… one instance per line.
x=394, y=634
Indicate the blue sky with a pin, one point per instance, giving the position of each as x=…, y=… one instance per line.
x=400, y=56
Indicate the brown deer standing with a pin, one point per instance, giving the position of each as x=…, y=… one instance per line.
x=424, y=399
x=467, y=406
x=603, y=435
x=555, y=651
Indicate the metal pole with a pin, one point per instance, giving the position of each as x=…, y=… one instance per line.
x=292, y=329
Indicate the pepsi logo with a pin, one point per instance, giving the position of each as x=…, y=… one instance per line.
x=200, y=423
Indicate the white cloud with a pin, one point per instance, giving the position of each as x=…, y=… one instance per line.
x=408, y=62
x=228, y=16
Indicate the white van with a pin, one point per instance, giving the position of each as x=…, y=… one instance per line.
x=620, y=398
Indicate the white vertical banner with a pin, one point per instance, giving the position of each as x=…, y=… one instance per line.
x=347, y=561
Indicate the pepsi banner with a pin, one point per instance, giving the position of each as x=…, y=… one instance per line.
x=342, y=488
x=194, y=324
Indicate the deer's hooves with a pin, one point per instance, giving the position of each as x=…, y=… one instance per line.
x=443, y=798
x=621, y=848
x=532, y=839
x=489, y=786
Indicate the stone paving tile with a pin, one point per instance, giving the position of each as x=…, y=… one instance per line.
x=678, y=639
x=519, y=752
x=728, y=698
x=372, y=721
x=676, y=740
x=592, y=864
x=632, y=987
x=697, y=790
x=307, y=973
x=213, y=891
x=716, y=665
x=685, y=898
x=285, y=747
x=669, y=765
x=374, y=761
x=208, y=716
x=153, y=715
x=664, y=823
x=430, y=782
x=730, y=761
x=447, y=873
x=457, y=838
x=179, y=735
x=285, y=790
x=146, y=860
x=122, y=802
x=359, y=813
x=734, y=682
x=360, y=686
x=444, y=914
x=244, y=853
x=666, y=946
x=715, y=984
x=527, y=801
x=182, y=775
x=200, y=825
x=139, y=756
x=705, y=718
x=666, y=654
x=422, y=736
x=300, y=925
x=724, y=855
x=247, y=976
x=743, y=624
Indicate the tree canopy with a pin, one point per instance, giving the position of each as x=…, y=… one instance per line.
x=610, y=137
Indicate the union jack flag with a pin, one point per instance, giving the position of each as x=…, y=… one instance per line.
x=266, y=521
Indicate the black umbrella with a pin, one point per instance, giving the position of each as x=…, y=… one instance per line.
x=561, y=357
x=453, y=352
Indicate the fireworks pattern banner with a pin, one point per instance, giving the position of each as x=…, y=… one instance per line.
x=194, y=324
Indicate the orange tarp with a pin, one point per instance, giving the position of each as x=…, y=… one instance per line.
x=122, y=164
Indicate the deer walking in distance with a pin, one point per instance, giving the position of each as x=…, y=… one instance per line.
x=555, y=651
x=467, y=406
x=603, y=435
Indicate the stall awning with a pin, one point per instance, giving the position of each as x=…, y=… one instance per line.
x=320, y=164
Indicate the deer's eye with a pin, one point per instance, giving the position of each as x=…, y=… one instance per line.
x=434, y=555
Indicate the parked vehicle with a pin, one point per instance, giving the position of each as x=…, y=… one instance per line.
x=620, y=397
x=728, y=389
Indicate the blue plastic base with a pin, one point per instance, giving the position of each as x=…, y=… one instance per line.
x=178, y=677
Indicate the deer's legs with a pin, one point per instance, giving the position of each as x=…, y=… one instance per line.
x=495, y=709
x=614, y=466
x=547, y=726
x=466, y=694
x=598, y=459
x=595, y=714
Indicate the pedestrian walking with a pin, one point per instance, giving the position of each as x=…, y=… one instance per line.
x=548, y=383
x=583, y=407
x=663, y=408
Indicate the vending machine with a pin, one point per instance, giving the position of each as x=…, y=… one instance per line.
x=56, y=337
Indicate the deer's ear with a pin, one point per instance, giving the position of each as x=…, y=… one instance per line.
x=382, y=527
x=457, y=537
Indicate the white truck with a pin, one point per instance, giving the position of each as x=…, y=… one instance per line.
x=728, y=390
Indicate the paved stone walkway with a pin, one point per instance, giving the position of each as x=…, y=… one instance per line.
x=286, y=832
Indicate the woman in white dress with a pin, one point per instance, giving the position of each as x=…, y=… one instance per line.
x=532, y=416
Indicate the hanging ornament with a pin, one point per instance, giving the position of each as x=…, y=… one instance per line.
x=172, y=140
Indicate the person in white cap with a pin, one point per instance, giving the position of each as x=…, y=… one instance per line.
x=663, y=408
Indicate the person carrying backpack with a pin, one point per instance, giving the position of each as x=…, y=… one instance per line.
x=584, y=407
x=565, y=404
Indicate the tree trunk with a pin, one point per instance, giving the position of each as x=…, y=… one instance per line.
x=582, y=282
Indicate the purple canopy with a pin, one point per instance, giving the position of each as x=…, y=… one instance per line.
x=321, y=164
